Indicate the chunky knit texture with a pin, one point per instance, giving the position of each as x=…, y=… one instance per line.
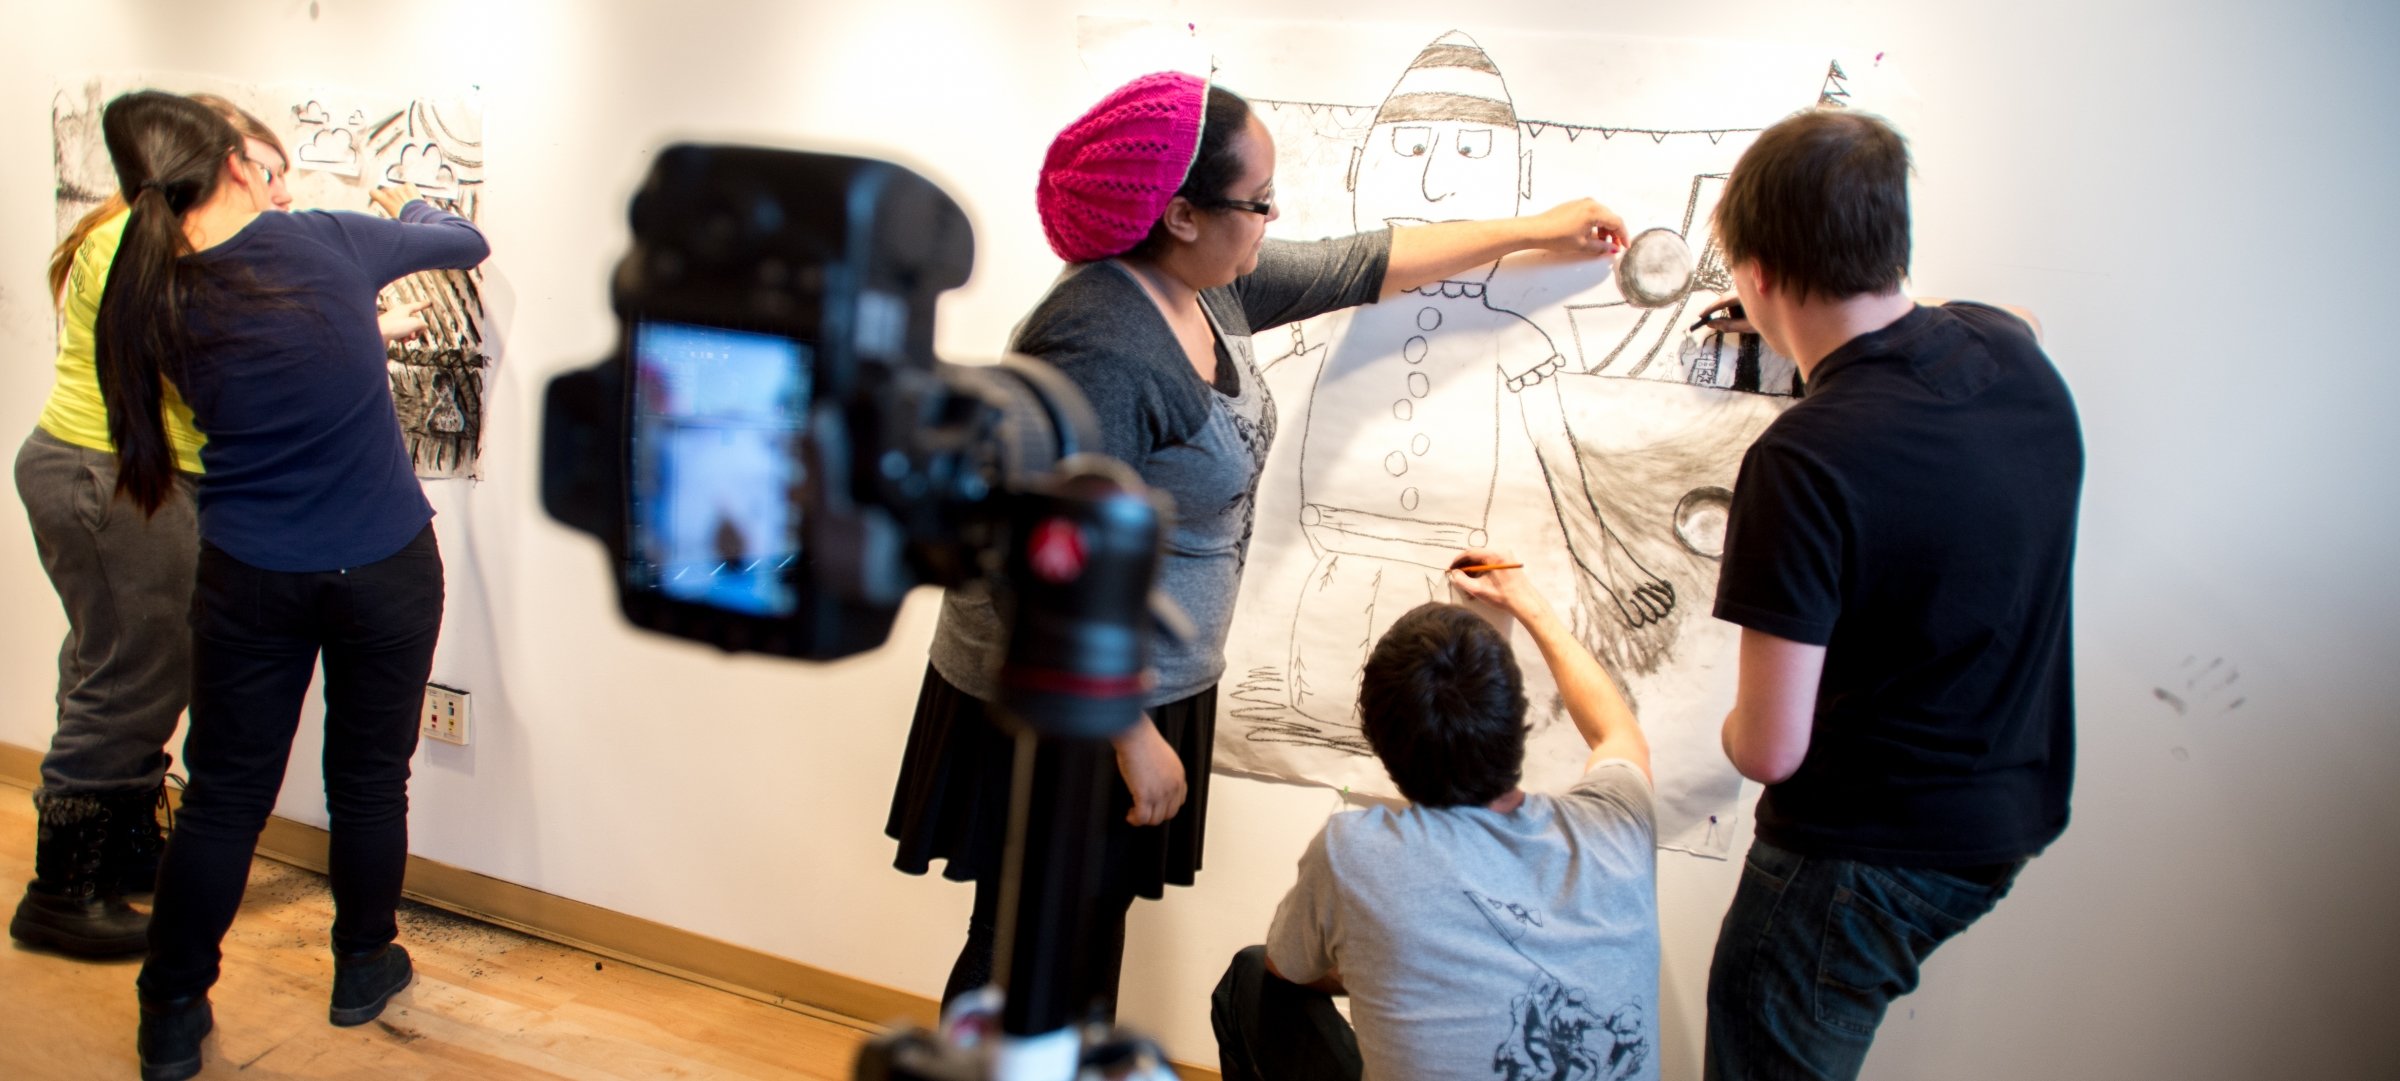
x=1110, y=174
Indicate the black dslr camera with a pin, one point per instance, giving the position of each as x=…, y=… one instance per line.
x=774, y=456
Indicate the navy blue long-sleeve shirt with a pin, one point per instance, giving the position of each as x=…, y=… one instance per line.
x=305, y=466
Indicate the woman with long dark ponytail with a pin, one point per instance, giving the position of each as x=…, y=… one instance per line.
x=124, y=580
x=315, y=536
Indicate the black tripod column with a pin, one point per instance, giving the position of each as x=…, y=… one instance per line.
x=1084, y=558
x=1056, y=837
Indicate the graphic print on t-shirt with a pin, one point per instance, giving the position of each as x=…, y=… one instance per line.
x=1559, y=1032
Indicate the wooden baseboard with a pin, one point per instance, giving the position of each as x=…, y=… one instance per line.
x=616, y=935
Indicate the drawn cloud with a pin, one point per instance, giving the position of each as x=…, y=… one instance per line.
x=311, y=113
x=421, y=164
x=331, y=150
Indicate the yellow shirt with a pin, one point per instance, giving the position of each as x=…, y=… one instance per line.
x=75, y=412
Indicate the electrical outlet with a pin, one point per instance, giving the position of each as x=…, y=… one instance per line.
x=445, y=714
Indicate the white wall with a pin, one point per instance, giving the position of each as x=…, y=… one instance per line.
x=2193, y=197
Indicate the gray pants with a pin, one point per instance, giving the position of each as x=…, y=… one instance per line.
x=125, y=669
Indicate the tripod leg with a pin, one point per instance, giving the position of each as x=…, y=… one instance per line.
x=1051, y=883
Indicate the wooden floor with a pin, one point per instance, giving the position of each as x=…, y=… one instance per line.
x=487, y=1003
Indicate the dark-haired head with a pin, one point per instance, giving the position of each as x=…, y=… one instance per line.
x=1821, y=202
x=1216, y=167
x=166, y=146
x=170, y=154
x=249, y=127
x=1443, y=705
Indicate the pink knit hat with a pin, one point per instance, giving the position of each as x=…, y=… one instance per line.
x=1110, y=174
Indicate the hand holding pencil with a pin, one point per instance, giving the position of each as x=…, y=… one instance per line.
x=1496, y=578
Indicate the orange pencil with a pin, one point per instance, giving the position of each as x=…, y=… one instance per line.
x=1479, y=568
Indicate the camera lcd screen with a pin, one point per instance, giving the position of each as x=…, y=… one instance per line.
x=716, y=474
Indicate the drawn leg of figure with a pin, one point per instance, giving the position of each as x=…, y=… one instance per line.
x=1347, y=603
x=1639, y=597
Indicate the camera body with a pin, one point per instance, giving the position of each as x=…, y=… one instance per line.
x=774, y=456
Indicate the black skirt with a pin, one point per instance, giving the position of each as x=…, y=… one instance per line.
x=951, y=803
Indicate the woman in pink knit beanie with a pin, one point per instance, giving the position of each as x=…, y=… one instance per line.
x=1159, y=199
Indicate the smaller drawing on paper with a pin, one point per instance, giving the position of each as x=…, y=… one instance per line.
x=2202, y=688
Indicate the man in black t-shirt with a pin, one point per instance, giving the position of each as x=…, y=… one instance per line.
x=1898, y=556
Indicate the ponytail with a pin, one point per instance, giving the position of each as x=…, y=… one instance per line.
x=168, y=151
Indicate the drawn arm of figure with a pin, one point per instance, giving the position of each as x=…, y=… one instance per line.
x=1775, y=706
x=1430, y=253
x=1640, y=597
x=1304, y=349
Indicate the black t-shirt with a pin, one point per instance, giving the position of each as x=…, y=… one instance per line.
x=1915, y=515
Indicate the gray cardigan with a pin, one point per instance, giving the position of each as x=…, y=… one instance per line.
x=1203, y=446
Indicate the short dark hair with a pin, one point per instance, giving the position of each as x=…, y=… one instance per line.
x=1215, y=164
x=1821, y=201
x=1443, y=706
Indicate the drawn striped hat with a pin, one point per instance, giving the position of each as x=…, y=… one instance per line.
x=1113, y=171
x=1453, y=79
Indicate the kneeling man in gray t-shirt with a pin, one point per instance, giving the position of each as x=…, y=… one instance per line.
x=1480, y=931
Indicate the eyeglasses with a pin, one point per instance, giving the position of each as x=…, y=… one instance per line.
x=266, y=172
x=1261, y=208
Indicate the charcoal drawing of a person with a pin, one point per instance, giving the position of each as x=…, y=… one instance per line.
x=1401, y=439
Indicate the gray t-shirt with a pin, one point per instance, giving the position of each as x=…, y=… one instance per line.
x=1479, y=944
x=1203, y=446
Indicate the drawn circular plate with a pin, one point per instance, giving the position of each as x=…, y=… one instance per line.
x=1656, y=269
x=1700, y=520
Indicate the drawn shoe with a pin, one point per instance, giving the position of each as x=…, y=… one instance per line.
x=365, y=983
x=67, y=906
x=169, y=1039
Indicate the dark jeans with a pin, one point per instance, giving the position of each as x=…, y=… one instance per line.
x=1814, y=950
x=257, y=636
x=1270, y=1027
x=125, y=580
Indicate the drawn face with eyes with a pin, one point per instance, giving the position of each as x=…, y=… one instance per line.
x=1417, y=171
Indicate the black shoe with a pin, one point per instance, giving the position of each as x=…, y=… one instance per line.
x=169, y=1040
x=68, y=906
x=363, y=985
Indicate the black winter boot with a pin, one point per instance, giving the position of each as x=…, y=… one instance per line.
x=169, y=1039
x=67, y=906
x=134, y=841
x=364, y=983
